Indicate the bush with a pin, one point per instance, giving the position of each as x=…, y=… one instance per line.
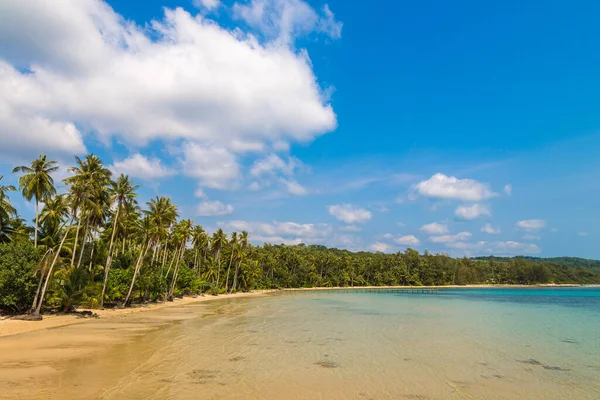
x=18, y=261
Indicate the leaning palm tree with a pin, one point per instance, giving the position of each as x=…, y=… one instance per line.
x=122, y=194
x=37, y=183
x=198, y=235
x=218, y=241
x=88, y=192
x=234, y=240
x=244, y=242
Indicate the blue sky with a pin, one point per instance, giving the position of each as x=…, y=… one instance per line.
x=467, y=128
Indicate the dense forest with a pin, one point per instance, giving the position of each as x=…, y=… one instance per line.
x=96, y=246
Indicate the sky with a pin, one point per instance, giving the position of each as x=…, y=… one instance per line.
x=466, y=128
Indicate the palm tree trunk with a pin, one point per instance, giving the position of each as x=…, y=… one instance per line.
x=109, y=257
x=218, y=259
x=235, y=275
x=172, y=261
x=228, y=268
x=138, y=264
x=37, y=216
x=49, y=275
x=196, y=264
x=176, y=271
x=76, y=239
x=92, y=255
x=85, y=235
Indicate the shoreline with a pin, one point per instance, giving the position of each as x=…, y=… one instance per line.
x=12, y=327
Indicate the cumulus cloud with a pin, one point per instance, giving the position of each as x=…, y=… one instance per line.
x=207, y=4
x=69, y=67
x=213, y=208
x=349, y=214
x=531, y=225
x=462, y=236
x=408, y=240
x=508, y=189
x=214, y=166
x=450, y=187
x=139, y=166
x=488, y=228
x=472, y=211
x=284, y=20
x=435, y=229
x=280, y=232
x=379, y=246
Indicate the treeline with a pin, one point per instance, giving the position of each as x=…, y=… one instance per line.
x=566, y=261
x=94, y=245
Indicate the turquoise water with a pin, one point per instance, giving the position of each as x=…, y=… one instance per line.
x=530, y=343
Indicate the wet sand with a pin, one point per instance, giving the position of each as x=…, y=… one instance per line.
x=10, y=327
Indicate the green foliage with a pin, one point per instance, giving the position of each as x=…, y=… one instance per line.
x=18, y=261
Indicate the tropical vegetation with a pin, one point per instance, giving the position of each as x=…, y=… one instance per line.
x=96, y=245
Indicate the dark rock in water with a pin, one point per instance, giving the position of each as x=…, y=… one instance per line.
x=85, y=314
x=571, y=341
x=530, y=361
x=554, y=368
x=28, y=317
x=326, y=364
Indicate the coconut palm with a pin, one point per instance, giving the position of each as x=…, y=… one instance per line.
x=88, y=193
x=182, y=233
x=244, y=242
x=233, y=242
x=6, y=210
x=219, y=240
x=122, y=195
x=37, y=183
x=198, y=238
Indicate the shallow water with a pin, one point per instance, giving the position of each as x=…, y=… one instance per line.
x=457, y=344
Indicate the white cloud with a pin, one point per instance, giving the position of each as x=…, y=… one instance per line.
x=387, y=236
x=139, y=166
x=508, y=189
x=582, y=234
x=281, y=232
x=185, y=80
x=408, y=240
x=349, y=214
x=459, y=237
x=273, y=164
x=450, y=187
x=295, y=188
x=213, y=208
x=380, y=247
x=207, y=4
x=199, y=193
x=497, y=248
x=531, y=225
x=435, y=229
x=284, y=20
x=488, y=228
x=472, y=212
x=214, y=167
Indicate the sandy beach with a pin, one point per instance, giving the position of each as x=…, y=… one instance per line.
x=9, y=327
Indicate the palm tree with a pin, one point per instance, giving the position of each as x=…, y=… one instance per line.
x=148, y=230
x=198, y=238
x=234, y=239
x=183, y=231
x=89, y=189
x=52, y=216
x=6, y=210
x=218, y=241
x=243, y=246
x=122, y=194
x=37, y=183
